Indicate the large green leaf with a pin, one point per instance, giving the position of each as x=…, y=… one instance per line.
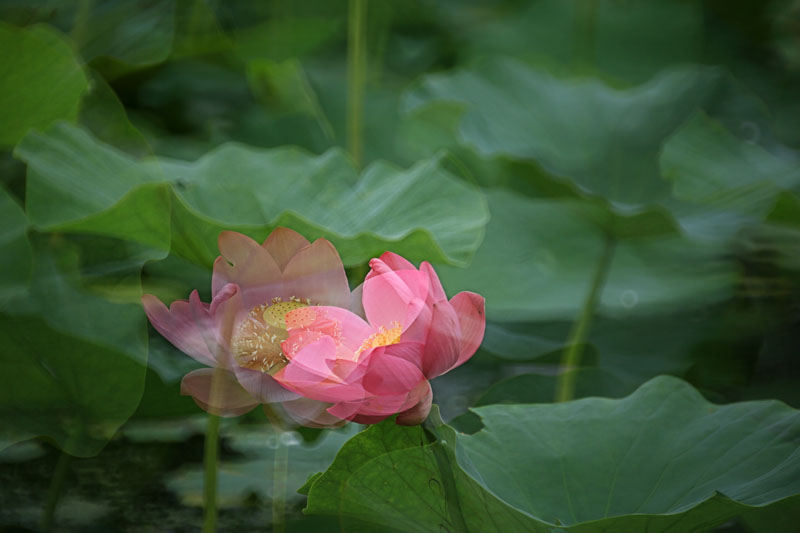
x=539, y=257
x=606, y=140
x=74, y=362
x=587, y=36
x=589, y=465
x=722, y=183
x=76, y=183
x=40, y=79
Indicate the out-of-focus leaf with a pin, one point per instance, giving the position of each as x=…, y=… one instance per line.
x=586, y=36
x=722, y=183
x=74, y=363
x=539, y=257
x=285, y=38
x=284, y=85
x=422, y=212
x=104, y=115
x=132, y=32
x=15, y=250
x=40, y=79
x=606, y=140
x=541, y=388
x=596, y=464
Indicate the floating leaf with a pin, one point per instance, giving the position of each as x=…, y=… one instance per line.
x=589, y=465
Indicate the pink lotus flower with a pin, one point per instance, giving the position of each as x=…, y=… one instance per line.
x=239, y=334
x=372, y=369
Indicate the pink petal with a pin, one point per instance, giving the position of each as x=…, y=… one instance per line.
x=340, y=324
x=253, y=269
x=388, y=262
x=436, y=292
x=262, y=386
x=178, y=327
x=316, y=272
x=443, y=345
x=282, y=244
x=417, y=414
x=388, y=375
x=311, y=413
x=217, y=392
x=395, y=297
x=472, y=317
x=310, y=374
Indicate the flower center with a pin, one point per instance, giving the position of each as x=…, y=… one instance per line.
x=382, y=337
x=257, y=340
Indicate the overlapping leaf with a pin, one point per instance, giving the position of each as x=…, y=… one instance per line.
x=76, y=183
x=606, y=140
x=590, y=465
x=74, y=363
x=539, y=257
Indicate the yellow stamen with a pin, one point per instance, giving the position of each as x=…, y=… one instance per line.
x=382, y=337
x=257, y=341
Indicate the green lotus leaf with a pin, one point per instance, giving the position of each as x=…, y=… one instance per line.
x=76, y=183
x=604, y=139
x=588, y=465
x=41, y=81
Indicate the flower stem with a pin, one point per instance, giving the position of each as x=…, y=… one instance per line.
x=356, y=75
x=54, y=491
x=210, y=475
x=565, y=386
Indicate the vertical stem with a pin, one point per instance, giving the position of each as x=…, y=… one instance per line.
x=356, y=74
x=81, y=22
x=210, y=475
x=280, y=468
x=565, y=386
x=54, y=491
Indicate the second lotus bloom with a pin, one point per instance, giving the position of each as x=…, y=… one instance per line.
x=372, y=369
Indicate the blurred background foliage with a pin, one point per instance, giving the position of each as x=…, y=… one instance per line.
x=632, y=163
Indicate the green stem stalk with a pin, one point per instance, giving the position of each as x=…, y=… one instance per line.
x=565, y=386
x=54, y=491
x=356, y=75
x=210, y=475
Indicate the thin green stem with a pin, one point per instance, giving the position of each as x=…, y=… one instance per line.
x=452, y=501
x=565, y=386
x=356, y=75
x=280, y=469
x=210, y=475
x=55, y=489
x=80, y=24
